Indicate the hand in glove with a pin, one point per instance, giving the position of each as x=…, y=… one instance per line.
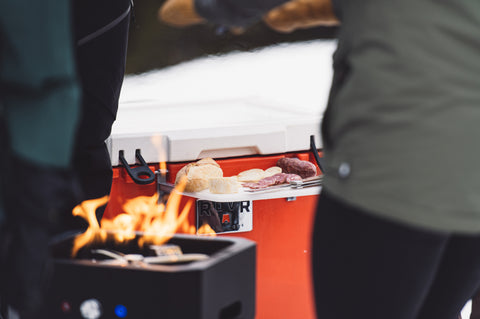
x=179, y=13
x=182, y=13
x=301, y=14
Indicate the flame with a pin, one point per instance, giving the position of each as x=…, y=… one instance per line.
x=163, y=167
x=158, y=222
x=87, y=210
x=160, y=144
x=206, y=230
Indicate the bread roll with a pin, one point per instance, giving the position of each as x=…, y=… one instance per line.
x=251, y=175
x=198, y=174
x=224, y=185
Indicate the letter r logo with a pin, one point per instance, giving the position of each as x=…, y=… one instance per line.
x=225, y=218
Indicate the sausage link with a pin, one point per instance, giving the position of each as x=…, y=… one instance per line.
x=296, y=166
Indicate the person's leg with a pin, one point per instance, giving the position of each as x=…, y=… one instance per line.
x=35, y=196
x=368, y=267
x=101, y=32
x=3, y=216
x=32, y=197
x=457, y=279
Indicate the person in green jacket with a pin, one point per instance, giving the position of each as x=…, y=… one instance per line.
x=397, y=229
x=39, y=106
x=400, y=210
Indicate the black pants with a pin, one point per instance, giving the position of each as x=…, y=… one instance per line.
x=33, y=197
x=101, y=33
x=368, y=267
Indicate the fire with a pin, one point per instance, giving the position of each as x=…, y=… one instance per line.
x=86, y=210
x=163, y=167
x=157, y=222
x=206, y=230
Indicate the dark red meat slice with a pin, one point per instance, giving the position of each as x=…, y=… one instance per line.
x=277, y=179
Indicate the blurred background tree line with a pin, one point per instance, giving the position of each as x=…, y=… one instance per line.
x=154, y=45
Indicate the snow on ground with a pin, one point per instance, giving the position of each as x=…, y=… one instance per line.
x=297, y=75
x=467, y=310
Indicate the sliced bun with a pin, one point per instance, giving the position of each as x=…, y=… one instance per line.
x=223, y=185
x=272, y=171
x=251, y=175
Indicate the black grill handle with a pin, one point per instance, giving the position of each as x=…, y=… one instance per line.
x=313, y=149
x=141, y=174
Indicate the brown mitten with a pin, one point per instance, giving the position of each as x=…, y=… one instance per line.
x=179, y=13
x=301, y=14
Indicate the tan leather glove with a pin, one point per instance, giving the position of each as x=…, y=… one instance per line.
x=301, y=14
x=179, y=13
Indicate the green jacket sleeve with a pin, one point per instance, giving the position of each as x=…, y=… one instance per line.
x=39, y=91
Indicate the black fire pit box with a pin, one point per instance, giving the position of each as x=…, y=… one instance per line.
x=219, y=287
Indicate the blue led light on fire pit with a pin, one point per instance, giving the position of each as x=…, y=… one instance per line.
x=121, y=311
